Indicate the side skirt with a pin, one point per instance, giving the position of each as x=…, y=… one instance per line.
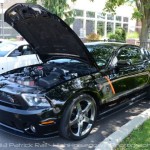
x=118, y=106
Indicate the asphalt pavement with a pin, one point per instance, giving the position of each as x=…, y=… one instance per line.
x=103, y=128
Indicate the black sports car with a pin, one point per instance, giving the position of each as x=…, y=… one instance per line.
x=74, y=85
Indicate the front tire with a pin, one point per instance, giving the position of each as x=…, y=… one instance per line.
x=78, y=118
x=148, y=93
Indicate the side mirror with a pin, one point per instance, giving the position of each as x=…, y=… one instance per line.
x=123, y=63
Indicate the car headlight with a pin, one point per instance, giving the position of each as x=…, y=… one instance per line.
x=36, y=100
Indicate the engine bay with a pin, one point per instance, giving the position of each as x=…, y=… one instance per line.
x=49, y=74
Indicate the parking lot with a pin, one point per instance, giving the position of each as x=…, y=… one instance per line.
x=102, y=129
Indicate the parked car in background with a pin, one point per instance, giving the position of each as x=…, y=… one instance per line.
x=15, y=55
x=74, y=85
x=3, y=40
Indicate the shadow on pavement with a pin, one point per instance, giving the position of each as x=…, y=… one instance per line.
x=103, y=128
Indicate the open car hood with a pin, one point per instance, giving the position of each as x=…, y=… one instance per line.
x=46, y=33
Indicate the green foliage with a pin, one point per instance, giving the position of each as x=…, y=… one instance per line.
x=59, y=7
x=100, y=28
x=138, y=139
x=113, y=36
x=141, y=7
x=32, y=1
x=111, y=5
x=141, y=12
x=119, y=35
x=132, y=35
x=137, y=14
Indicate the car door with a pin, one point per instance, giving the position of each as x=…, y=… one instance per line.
x=122, y=71
x=102, y=54
x=129, y=73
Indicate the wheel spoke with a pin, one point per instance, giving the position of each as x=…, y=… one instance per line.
x=80, y=127
x=87, y=108
x=86, y=119
x=74, y=121
x=79, y=108
x=82, y=117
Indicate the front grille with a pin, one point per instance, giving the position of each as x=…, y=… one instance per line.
x=6, y=98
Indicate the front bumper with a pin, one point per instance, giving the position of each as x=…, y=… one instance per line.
x=21, y=122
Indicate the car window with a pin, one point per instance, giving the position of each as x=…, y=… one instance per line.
x=128, y=55
x=101, y=53
x=5, y=48
x=22, y=50
x=15, y=53
x=27, y=50
x=131, y=54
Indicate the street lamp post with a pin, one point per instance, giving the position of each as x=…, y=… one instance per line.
x=2, y=18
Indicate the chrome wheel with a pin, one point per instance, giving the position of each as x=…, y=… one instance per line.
x=82, y=117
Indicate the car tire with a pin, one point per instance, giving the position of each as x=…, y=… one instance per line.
x=148, y=93
x=78, y=117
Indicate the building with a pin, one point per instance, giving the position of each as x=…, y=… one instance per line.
x=6, y=31
x=89, y=18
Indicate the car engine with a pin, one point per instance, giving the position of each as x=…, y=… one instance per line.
x=48, y=75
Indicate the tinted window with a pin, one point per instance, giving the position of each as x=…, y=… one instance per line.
x=101, y=53
x=27, y=50
x=15, y=53
x=22, y=50
x=131, y=54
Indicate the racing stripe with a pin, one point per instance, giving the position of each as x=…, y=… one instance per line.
x=110, y=83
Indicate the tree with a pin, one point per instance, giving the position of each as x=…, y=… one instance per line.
x=32, y=1
x=141, y=12
x=58, y=7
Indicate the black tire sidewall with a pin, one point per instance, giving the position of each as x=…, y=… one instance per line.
x=64, y=124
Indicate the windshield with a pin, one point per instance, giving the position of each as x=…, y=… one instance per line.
x=101, y=53
x=5, y=48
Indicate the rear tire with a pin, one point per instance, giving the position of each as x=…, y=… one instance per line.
x=78, y=118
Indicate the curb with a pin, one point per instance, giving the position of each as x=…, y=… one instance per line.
x=115, y=138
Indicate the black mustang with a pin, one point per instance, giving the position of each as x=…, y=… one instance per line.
x=75, y=83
